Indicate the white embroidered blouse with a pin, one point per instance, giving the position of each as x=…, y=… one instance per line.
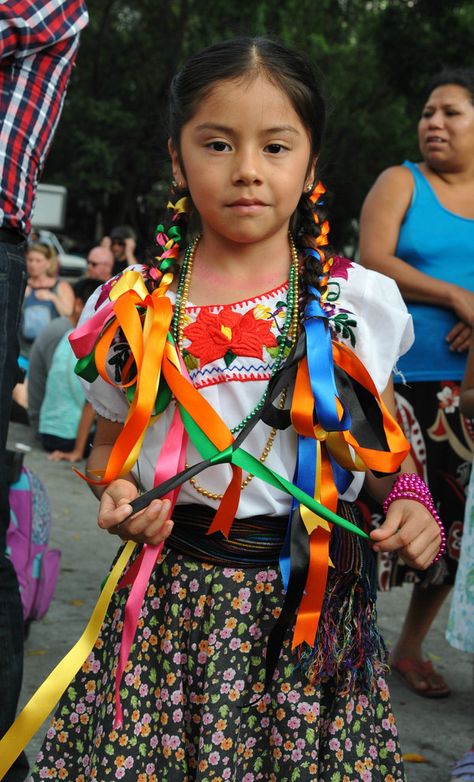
x=229, y=352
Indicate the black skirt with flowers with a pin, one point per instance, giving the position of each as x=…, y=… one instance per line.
x=442, y=445
x=197, y=662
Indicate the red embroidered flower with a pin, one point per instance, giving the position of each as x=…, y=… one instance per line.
x=228, y=334
x=340, y=267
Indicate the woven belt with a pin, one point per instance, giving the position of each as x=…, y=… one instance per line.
x=252, y=542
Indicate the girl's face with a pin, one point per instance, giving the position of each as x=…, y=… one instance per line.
x=446, y=129
x=36, y=263
x=246, y=159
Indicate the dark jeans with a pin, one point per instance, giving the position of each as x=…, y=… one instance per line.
x=53, y=443
x=12, y=287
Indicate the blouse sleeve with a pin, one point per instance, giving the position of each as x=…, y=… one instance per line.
x=370, y=317
x=107, y=400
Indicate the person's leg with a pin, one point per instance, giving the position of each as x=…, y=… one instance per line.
x=12, y=285
x=424, y=605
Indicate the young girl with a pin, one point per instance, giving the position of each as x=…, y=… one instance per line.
x=245, y=346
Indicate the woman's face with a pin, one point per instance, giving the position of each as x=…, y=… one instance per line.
x=446, y=129
x=36, y=263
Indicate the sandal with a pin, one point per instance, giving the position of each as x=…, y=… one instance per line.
x=463, y=770
x=436, y=686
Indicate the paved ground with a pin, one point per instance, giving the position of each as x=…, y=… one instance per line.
x=439, y=730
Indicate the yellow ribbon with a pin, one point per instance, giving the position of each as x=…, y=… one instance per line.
x=48, y=694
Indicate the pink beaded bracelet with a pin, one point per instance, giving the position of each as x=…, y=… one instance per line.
x=409, y=486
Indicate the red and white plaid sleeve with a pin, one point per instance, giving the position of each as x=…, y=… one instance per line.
x=38, y=46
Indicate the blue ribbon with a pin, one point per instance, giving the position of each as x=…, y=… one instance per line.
x=321, y=366
x=305, y=479
x=323, y=385
x=284, y=559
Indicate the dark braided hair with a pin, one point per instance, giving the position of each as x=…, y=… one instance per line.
x=292, y=73
x=311, y=228
x=172, y=237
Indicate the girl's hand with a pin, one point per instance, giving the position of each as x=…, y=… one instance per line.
x=410, y=529
x=459, y=338
x=151, y=525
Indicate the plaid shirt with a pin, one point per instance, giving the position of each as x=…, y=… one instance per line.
x=38, y=46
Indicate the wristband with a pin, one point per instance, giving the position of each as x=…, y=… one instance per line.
x=409, y=486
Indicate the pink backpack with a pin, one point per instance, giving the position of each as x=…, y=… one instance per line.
x=36, y=565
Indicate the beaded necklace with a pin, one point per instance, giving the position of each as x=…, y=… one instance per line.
x=290, y=326
x=289, y=331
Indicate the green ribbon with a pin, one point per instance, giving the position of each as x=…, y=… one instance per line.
x=254, y=466
x=86, y=368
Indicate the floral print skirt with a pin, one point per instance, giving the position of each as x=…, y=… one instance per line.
x=197, y=662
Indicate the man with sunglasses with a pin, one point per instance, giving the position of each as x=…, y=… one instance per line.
x=100, y=262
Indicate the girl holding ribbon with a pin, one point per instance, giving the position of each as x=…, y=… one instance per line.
x=239, y=380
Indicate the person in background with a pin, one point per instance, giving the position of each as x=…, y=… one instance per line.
x=46, y=296
x=43, y=353
x=460, y=630
x=100, y=262
x=123, y=242
x=65, y=418
x=417, y=226
x=41, y=356
x=38, y=46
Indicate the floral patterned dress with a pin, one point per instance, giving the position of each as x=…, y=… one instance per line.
x=195, y=707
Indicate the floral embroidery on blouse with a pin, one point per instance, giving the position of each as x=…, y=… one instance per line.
x=240, y=341
x=228, y=334
x=340, y=319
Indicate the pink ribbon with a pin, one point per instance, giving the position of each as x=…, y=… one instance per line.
x=171, y=461
x=84, y=338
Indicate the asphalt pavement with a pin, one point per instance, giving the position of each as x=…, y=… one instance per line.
x=437, y=731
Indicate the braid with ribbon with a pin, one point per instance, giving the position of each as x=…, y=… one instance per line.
x=172, y=238
x=311, y=231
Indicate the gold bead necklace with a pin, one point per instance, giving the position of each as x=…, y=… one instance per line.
x=262, y=458
x=290, y=331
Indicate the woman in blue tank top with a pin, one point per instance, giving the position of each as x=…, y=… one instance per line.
x=417, y=226
x=46, y=297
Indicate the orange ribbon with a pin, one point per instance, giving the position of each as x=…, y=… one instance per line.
x=361, y=459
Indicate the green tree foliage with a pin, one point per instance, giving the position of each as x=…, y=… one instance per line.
x=375, y=58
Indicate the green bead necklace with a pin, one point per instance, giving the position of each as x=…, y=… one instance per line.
x=290, y=326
